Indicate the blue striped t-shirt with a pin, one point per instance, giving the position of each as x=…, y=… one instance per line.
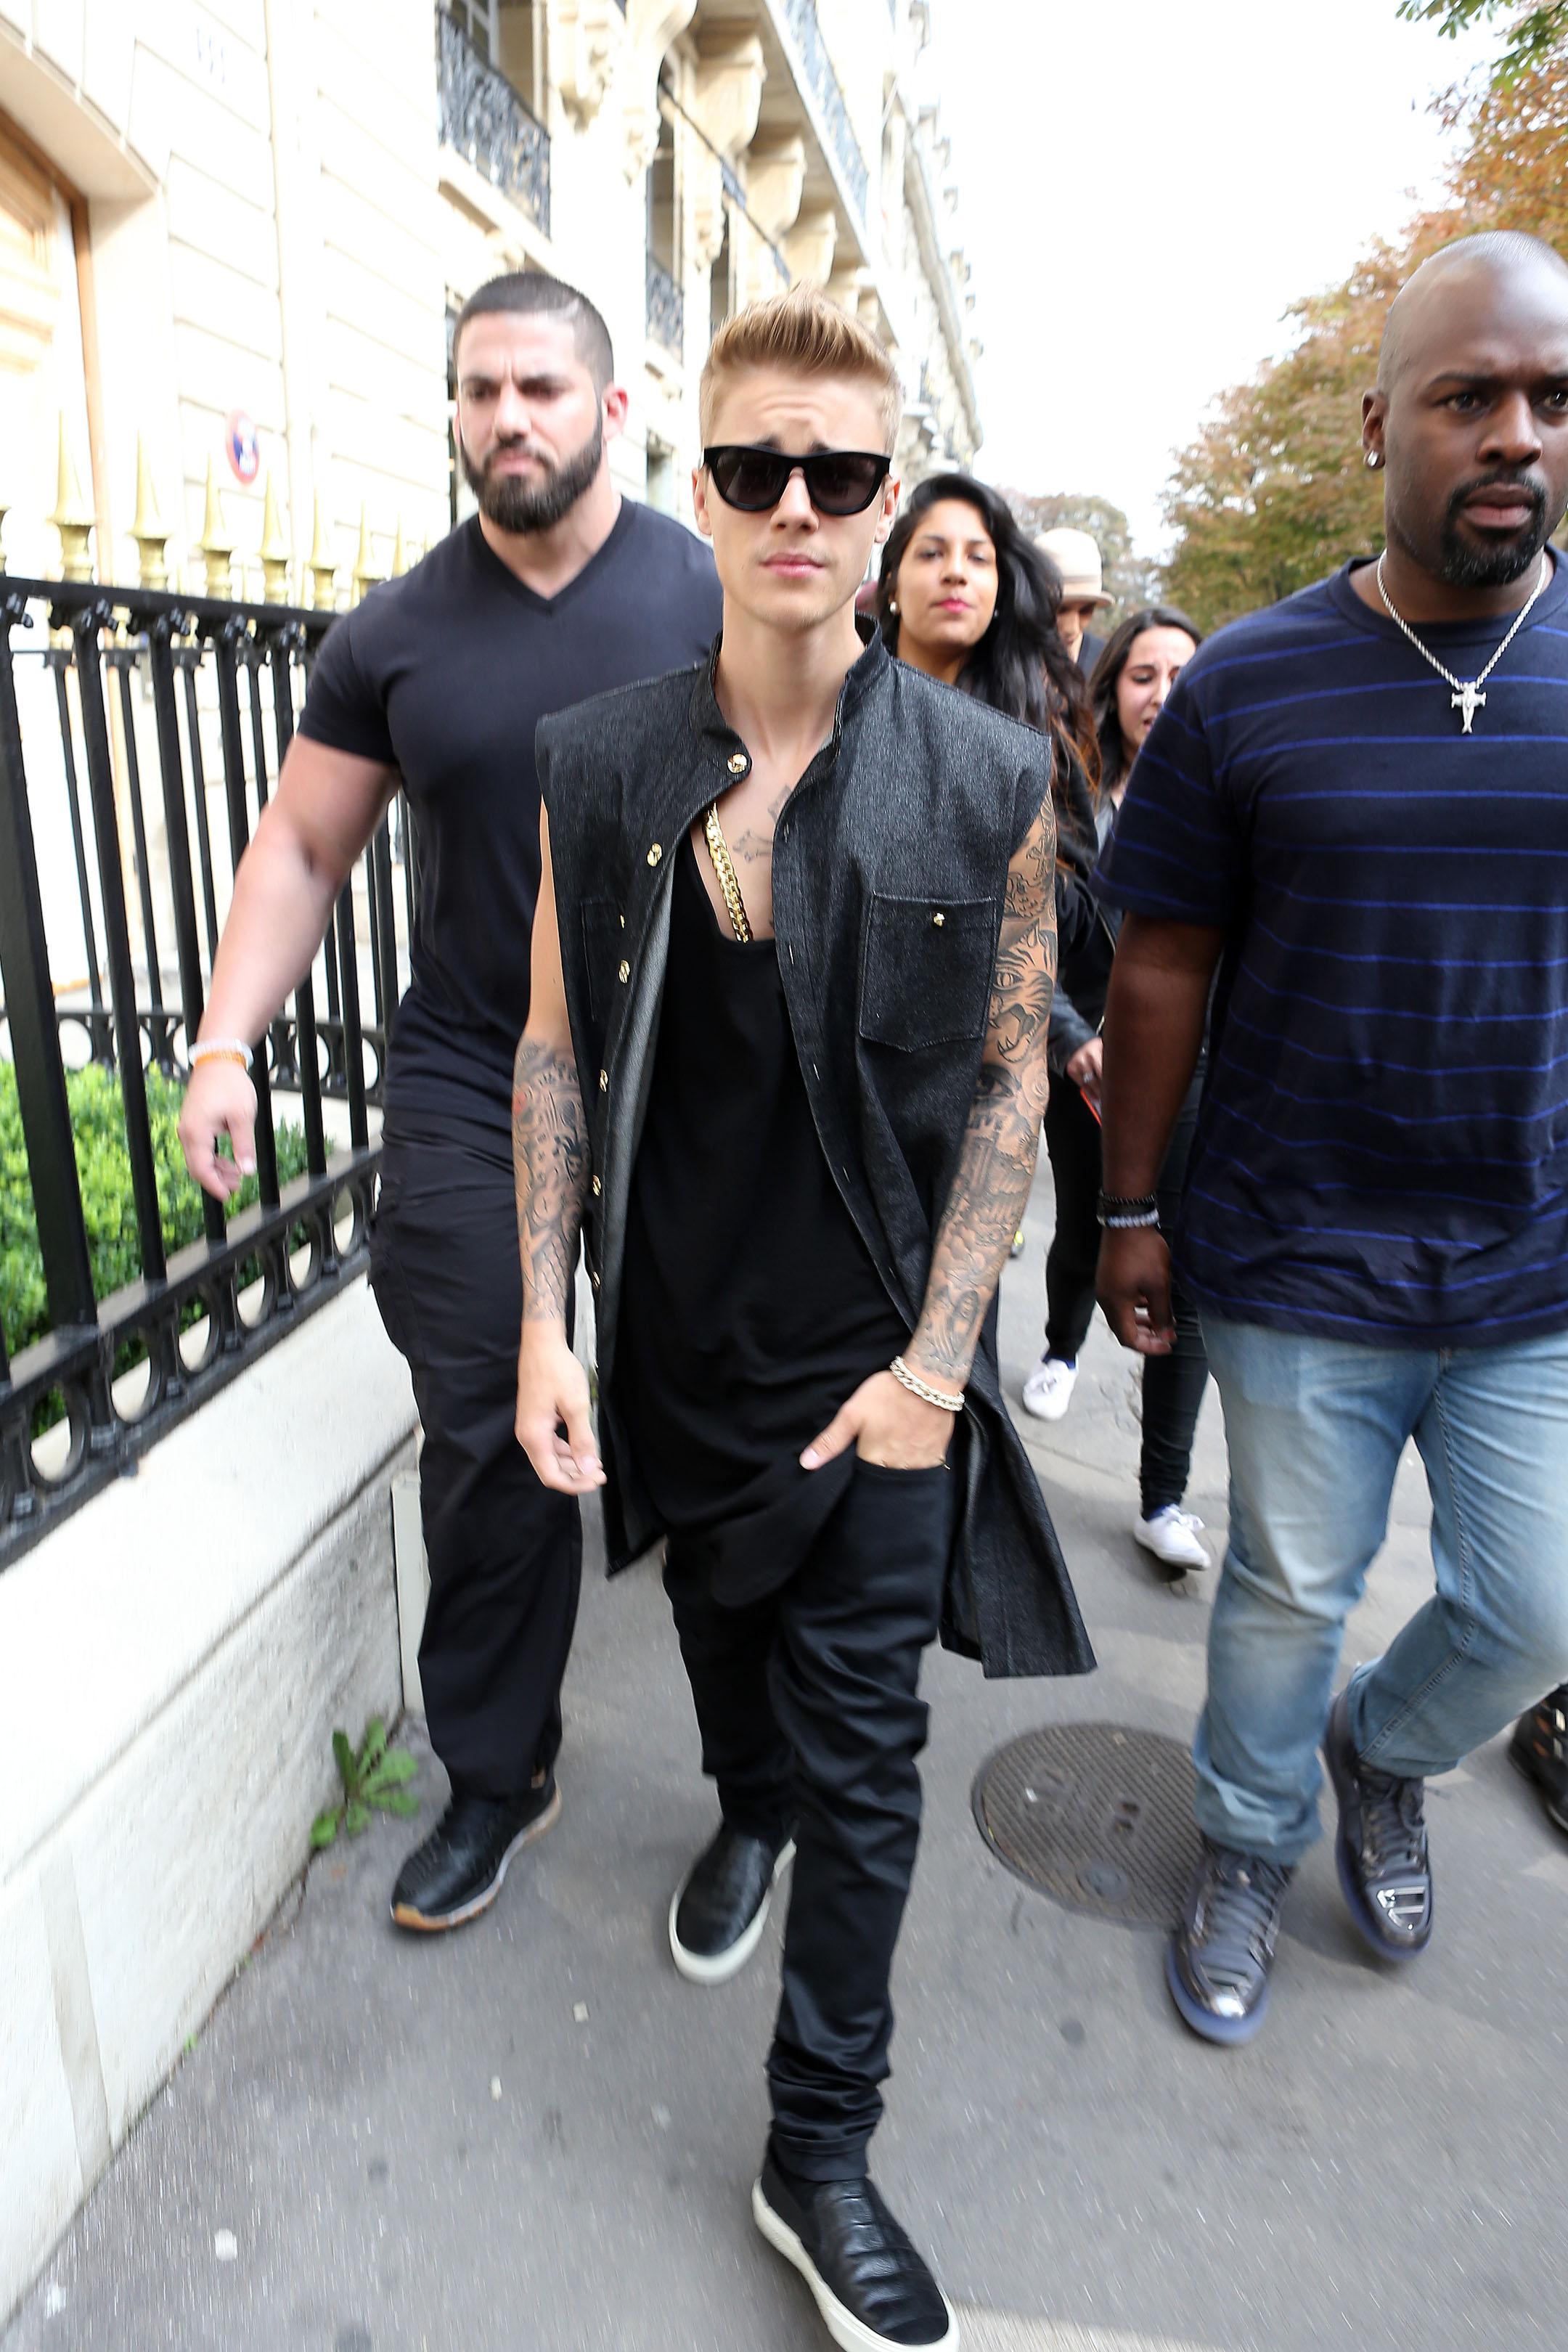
x=1382, y=1154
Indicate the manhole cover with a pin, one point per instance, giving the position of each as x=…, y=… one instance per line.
x=1095, y=1815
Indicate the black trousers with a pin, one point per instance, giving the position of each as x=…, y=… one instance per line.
x=1173, y=1385
x=810, y=1719
x=505, y=1556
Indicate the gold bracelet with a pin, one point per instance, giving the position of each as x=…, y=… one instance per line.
x=943, y=1398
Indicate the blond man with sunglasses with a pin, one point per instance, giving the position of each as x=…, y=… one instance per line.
x=784, y=1067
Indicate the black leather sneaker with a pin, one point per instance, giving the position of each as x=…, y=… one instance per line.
x=874, y=2292
x=1217, y=1963
x=457, y=1871
x=719, y=1911
x=1386, y=1872
x=1539, y=1750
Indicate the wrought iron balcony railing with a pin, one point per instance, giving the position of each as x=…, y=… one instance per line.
x=666, y=308
x=800, y=15
x=194, y=1315
x=485, y=119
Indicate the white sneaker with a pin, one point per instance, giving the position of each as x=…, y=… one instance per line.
x=1048, y=1389
x=1172, y=1535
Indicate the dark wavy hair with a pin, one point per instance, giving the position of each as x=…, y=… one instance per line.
x=1114, y=760
x=1020, y=665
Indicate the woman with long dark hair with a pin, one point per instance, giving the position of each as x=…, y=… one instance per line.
x=964, y=595
x=967, y=596
x=1132, y=679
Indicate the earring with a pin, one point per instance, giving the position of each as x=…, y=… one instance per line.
x=892, y=604
x=1371, y=461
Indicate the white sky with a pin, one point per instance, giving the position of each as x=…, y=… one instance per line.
x=1146, y=186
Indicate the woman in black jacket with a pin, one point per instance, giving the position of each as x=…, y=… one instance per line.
x=1132, y=680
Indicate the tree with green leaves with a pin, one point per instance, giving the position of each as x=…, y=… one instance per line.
x=1534, y=34
x=1272, y=493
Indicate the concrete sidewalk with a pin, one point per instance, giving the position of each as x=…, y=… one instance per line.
x=532, y=2137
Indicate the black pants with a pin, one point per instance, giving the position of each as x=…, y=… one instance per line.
x=807, y=1706
x=505, y=1556
x=1173, y=1385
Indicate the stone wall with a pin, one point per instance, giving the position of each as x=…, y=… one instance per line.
x=172, y=1664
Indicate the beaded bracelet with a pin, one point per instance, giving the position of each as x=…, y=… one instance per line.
x=942, y=1398
x=1120, y=1214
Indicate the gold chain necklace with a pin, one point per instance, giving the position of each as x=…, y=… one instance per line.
x=724, y=866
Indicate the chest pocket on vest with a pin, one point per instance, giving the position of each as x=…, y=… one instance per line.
x=604, y=945
x=926, y=970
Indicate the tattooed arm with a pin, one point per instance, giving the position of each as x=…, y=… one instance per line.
x=550, y=1159
x=996, y=1164
x=996, y=1169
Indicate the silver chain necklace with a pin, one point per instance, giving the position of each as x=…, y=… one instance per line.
x=1467, y=697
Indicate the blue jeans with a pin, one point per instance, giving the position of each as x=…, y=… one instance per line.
x=1316, y=1428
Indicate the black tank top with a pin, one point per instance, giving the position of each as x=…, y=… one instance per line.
x=751, y=1307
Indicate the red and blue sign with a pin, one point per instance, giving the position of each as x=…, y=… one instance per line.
x=243, y=444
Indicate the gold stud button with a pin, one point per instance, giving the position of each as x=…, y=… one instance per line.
x=739, y=763
x=604, y=1082
x=939, y=921
x=622, y=920
x=655, y=853
x=595, y=1280
x=624, y=972
x=598, y=1188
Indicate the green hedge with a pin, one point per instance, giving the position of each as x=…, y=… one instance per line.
x=98, y=1125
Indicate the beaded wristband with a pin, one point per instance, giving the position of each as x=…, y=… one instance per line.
x=942, y=1398
x=1120, y=1211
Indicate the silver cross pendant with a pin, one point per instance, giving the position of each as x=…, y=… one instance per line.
x=1469, y=702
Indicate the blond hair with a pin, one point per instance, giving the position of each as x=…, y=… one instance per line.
x=802, y=332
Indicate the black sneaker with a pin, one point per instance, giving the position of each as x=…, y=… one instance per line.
x=457, y=1871
x=872, y=2289
x=1217, y=1961
x=719, y=1911
x=1539, y=1750
x=1384, y=1869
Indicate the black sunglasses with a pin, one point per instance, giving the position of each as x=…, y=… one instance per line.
x=837, y=481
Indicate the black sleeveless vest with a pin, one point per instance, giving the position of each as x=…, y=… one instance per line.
x=889, y=866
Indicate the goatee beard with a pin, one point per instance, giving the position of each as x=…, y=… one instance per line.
x=1463, y=565
x=515, y=504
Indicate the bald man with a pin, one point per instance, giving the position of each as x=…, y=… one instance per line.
x=1355, y=808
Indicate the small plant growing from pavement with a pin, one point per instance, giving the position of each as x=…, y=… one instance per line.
x=377, y=1779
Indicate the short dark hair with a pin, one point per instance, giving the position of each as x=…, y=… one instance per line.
x=535, y=293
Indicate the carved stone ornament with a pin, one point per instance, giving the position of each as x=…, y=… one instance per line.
x=810, y=246
x=585, y=41
x=704, y=206
x=775, y=180
x=652, y=27
x=727, y=95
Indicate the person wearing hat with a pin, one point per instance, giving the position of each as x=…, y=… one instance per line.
x=1077, y=558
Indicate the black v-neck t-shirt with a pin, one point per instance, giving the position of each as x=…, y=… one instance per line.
x=751, y=1308
x=444, y=675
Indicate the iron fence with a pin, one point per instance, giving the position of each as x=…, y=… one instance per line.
x=484, y=118
x=118, y=671
x=666, y=308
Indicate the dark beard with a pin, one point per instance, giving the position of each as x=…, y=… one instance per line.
x=514, y=504
x=1464, y=566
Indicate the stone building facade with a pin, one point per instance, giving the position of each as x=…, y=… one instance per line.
x=236, y=232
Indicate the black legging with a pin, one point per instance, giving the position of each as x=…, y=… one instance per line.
x=1173, y=1384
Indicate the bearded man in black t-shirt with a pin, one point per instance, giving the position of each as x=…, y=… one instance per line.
x=557, y=589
